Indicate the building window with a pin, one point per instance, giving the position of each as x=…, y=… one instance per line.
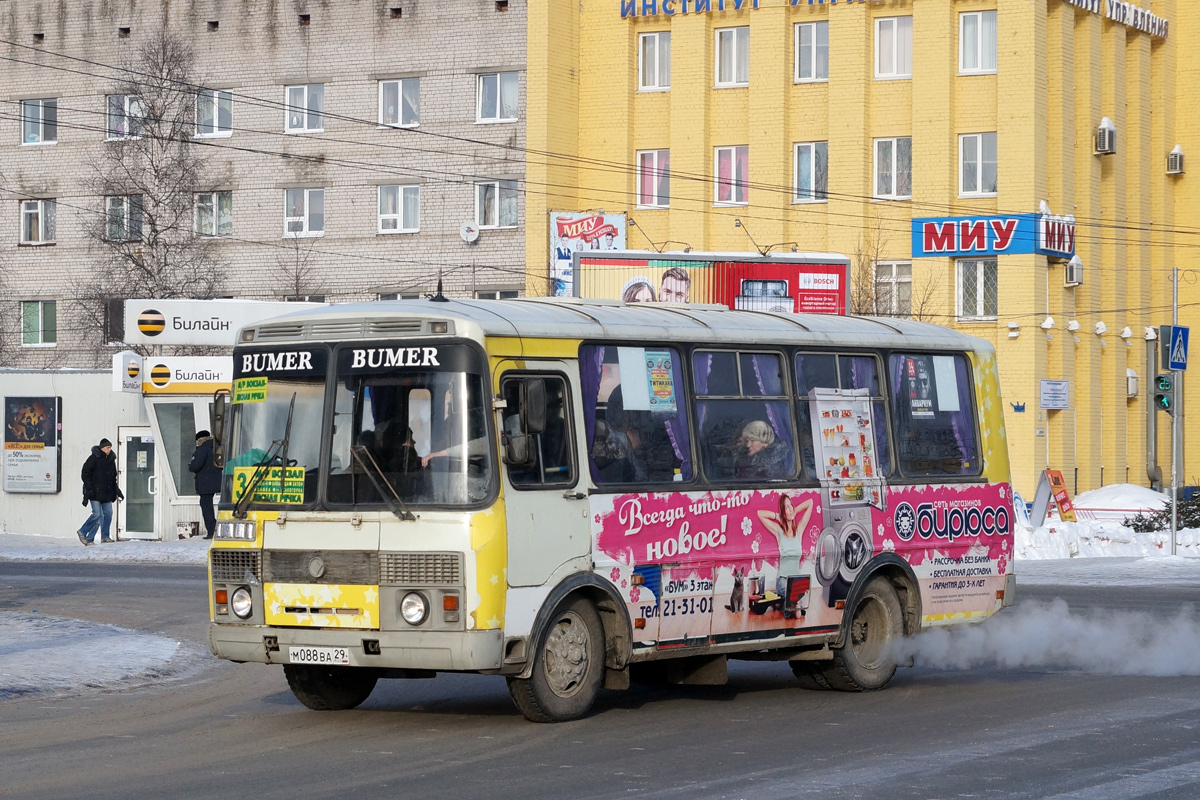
x=733, y=174
x=305, y=108
x=399, y=209
x=214, y=214
x=400, y=295
x=39, y=323
x=893, y=288
x=125, y=114
x=893, y=168
x=654, y=178
x=977, y=42
x=497, y=294
x=400, y=103
x=812, y=51
x=214, y=113
x=124, y=218
x=303, y=212
x=812, y=172
x=497, y=97
x=654, y=62
x=978, y=287
x=733, y=57
x=893, y=47
x=37, y=221
x=39, y=121
x=496, y=204
x=977, y=164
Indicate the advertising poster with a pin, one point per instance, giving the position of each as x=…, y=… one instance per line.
x=33, y=445
x=574, y=232
x=814, y=283
x=920, y=387
x=731, y=565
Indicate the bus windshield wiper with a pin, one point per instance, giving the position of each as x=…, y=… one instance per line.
x=287, y=438
x=371, y=469
x=279, y=449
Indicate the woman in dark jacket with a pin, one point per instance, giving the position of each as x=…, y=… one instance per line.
x=99, y=475
x=208, y=479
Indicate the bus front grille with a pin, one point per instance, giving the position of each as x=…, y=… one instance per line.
x=236, y=566
x=412, y=569
x=321, y=566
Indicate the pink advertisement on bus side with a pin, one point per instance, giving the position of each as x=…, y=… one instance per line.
x=697, y=567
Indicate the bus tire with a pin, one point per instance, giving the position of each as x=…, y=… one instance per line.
x=866, y=662
x=811, y=675
x=329, y=688
x=568, y=667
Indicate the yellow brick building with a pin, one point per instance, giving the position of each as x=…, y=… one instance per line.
x=999, y=104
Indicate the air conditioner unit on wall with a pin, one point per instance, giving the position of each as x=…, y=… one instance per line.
x=1106, y=137
x=1175, y=161
x=1074, y=272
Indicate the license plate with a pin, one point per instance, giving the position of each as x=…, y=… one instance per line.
x=318, y=655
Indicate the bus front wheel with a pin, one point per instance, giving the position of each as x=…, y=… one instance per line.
x=568, y=666
x=866, y=662
x=327, y=688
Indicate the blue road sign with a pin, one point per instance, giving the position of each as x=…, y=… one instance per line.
x=1178, y=351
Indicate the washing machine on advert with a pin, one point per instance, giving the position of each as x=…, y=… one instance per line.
x=844, y=545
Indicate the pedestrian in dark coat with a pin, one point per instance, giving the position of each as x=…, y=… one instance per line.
x=208, y=479
x=100, y=490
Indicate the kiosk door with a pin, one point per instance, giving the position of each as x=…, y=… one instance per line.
x=138, y=479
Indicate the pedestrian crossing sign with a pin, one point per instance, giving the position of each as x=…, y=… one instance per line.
x=1179, y=348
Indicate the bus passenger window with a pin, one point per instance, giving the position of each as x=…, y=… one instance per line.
x=841, y=371
x=634, y=418
x=743, y=415
x=552, y=447
x=936, y=432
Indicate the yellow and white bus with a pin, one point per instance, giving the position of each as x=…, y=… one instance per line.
x=560, y=491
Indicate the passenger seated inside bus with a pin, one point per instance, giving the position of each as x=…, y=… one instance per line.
x=550, y=448
x=632, y=446
x=761, y=456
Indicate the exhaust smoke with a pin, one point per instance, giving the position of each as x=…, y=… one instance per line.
x=1048, y=635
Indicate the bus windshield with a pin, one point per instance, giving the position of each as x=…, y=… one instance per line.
x=420, y=434
x=278, y=406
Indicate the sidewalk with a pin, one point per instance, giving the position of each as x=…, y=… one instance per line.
x=25, y=547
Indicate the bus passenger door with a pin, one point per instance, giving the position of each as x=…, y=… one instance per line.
x=545, y=489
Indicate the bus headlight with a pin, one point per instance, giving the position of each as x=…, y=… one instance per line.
x=414, y=608
x=244, y=531
x=241, y=602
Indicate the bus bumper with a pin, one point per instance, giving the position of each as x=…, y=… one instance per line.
x=1010, y=590
x=467, y=651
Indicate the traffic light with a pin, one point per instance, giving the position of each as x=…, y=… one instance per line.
x=1164, y=393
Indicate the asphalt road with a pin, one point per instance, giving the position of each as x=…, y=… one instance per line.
x=235, y=731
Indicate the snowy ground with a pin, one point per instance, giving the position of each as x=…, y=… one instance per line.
x=45, y=654
x=41, y=654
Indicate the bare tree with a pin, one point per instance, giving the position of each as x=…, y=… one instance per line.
x=144, y=242
x=897, y=294
x=297, y=269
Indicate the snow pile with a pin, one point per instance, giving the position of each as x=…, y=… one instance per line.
x=1048, y=635
x=26, y=547
x=1100, y=532
x=44, y=653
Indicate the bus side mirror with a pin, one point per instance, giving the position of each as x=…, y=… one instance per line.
x=533, y=406
x=219, y=411
x=518, y=450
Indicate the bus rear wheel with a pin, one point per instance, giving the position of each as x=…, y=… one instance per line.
x=811, y=675
x=324, y=688
x=867, y=662
x=568, y=667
